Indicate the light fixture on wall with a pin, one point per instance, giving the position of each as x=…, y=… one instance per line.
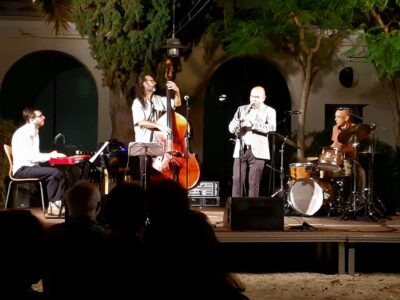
x=173, y=45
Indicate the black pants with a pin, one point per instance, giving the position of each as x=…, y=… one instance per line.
x=249, y=165
x=53, y=178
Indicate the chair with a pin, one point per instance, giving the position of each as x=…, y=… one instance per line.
x=13, y=180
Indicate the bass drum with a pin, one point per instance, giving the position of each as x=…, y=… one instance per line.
x=308, y=196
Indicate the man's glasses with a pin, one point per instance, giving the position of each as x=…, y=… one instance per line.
x=39, y=115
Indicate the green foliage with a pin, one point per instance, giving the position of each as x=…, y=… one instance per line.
x=383, y=35
x=125, y=36
x=384, y=52
x=270, y=26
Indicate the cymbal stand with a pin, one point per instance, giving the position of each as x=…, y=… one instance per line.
x=357, y=199
x=373, y=210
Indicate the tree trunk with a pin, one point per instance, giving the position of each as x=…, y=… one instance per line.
x=395, y=104
x=121, y=118
x=303, y=106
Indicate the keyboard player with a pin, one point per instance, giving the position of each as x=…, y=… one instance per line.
x=27, y=157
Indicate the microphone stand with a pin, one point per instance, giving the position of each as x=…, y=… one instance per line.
x=241, y=154
x=273, y=156
x=281, y=190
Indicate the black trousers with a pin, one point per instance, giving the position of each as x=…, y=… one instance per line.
x=53, y=178
x=249, y=165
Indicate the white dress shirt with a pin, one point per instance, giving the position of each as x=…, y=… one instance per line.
x=25, y=147
x=152, y=113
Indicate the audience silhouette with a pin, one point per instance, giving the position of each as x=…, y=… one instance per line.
x=124, y=213
x=22, y=254
x=76, y=247
x=181, y=241
x=152, y=243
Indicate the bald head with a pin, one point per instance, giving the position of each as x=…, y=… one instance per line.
x=257, y=96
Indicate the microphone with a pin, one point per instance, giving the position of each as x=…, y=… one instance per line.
x=186, y=97
x=294, y=112
x=59, y=135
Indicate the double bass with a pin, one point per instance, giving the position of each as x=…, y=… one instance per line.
x=177, y=163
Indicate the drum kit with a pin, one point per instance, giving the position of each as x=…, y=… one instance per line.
x=328, y=185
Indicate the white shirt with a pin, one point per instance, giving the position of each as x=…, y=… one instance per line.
x=152, y=113
x=25, y=147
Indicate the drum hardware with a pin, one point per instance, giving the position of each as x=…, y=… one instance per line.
x=366, y=199
x=336, y=206
x=375, y=207
x=282, y=192
x=357, y=200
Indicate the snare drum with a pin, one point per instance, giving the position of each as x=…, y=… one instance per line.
x=330, y=160
x=301, y=170
x=308, y=196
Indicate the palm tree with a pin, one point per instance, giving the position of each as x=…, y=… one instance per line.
x=55, y=12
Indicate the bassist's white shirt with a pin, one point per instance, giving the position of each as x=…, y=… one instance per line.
x=155, y=108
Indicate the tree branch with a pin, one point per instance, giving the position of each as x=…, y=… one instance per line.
x=379, y=20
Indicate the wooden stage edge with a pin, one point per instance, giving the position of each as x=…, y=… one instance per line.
x=345, y=233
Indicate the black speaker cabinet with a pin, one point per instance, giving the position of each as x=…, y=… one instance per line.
x=254, y=213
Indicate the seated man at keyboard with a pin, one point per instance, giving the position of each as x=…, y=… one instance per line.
x=27, y=156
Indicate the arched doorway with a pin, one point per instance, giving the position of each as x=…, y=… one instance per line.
x=63, y=89
x=228, y=88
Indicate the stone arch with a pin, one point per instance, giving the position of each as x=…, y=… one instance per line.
x=63, y=88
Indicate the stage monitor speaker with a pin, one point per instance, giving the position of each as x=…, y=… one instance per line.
x=254, y=213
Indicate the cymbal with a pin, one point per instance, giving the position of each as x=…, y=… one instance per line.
x=312, y=158
x=361, y=131
x=367, y=152
x=285, y=140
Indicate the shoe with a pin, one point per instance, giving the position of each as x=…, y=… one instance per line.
x=54, y=209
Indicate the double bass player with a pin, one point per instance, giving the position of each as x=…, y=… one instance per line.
x=147, y=109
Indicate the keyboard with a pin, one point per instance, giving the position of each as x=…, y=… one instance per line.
x=70, y=160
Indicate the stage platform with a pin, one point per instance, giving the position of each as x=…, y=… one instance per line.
x=324, y=239
x=347, y=234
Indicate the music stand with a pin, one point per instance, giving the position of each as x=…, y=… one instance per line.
x=99, y=152
x=146, y=149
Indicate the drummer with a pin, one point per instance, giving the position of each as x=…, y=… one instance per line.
x=342, y=119
x=343, y=122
